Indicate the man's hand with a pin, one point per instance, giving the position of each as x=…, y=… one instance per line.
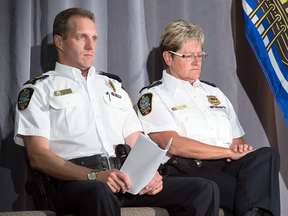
x=116, y=180
x=154, y=186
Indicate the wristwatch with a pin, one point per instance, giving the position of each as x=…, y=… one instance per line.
x=92, y=175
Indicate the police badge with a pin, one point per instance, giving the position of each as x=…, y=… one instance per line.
x=213, y=100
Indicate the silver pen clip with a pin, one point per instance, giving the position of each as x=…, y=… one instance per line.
x=109, y=96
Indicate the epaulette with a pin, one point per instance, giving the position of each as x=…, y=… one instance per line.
x=33, y=81
x=208, y=83
x=155, y=83
x=112, y=76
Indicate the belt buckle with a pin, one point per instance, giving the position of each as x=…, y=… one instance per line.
x=110, y=163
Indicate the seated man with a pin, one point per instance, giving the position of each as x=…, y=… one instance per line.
x=71, y=118
x=207, y=137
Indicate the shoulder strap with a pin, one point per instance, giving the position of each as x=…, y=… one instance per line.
x=112, y=76
x=155, y=83
x=33, y=81
x=208, y=83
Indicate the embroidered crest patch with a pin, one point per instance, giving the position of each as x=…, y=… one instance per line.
x=24, y=98
x=213, y=100
x=145, y=104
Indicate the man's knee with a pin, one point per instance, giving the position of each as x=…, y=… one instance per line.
x=99, y=192
x=100, y=200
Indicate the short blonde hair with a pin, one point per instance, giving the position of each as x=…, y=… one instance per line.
x=177, y=32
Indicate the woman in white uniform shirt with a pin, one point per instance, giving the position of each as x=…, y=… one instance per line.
x=207, y=136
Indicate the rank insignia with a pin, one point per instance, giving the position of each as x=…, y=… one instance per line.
x=213, y=100
x=33, y=81
x=144, y=104
x=24, y=98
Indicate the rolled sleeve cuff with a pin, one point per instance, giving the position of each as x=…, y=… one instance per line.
x=18, y=138
x=238, y=133
x=162, y=128
x=132, y=129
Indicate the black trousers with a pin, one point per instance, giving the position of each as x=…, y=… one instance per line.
x=195, y=196
x=251, y=181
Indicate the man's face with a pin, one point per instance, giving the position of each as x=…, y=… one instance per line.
x=79, y=48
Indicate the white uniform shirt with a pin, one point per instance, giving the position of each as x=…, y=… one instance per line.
x=176, y=105
x=81, y=117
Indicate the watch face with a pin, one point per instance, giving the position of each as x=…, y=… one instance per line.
x=92, y=175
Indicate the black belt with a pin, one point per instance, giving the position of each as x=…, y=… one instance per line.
x=188, y=165
x=97, y=162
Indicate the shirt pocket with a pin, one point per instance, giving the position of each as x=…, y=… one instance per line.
x=68, y=116
x=223, y=120
x=191, y=122
x=114, y=110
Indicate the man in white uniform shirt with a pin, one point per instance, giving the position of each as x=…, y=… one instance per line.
x=70, y=121
x=207, y=136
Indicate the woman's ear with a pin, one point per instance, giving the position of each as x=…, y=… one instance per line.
x=167, y=58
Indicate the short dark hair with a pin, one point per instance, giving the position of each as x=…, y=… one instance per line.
x=60, y=25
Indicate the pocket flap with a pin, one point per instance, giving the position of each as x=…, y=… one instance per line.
x=70, y=100
x=113, y=100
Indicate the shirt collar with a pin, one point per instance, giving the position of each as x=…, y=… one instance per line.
x=73, y=73
x=172, y=82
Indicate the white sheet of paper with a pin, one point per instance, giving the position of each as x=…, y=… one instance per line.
x=142, y=162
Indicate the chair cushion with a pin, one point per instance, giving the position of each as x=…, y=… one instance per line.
x=28, y=213
x=143, y=211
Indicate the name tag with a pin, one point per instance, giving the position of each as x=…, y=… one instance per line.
x=179, y=107
x=62, y=92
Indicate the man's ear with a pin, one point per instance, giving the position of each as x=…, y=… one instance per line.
x=167, y=58
x=58, y=41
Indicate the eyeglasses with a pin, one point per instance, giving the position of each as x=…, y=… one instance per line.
x=190, y=58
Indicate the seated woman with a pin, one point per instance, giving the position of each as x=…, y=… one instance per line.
x=207, y=136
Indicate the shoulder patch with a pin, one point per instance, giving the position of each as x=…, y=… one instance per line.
x=208, y=83
x=24, y=98
x=155, y=83
x=112, y=76
x=33, y=81
x=144, y=104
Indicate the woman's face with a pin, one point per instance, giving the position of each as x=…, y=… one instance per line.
x=180, y=68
